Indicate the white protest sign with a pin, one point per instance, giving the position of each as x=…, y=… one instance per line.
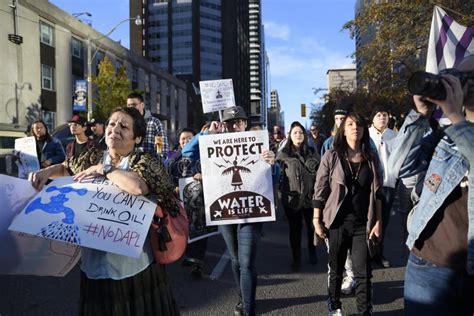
x=216, y=95
x=27, y=158
x=96, y=215
x=23, y=253
x=237, y=182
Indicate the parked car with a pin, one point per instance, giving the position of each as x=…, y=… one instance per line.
x=63, y=133
x=8, y=134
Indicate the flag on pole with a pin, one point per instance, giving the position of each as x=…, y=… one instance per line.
x=449, y=42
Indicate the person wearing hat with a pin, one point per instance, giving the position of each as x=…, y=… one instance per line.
x=81, y=143
x=340, y=112
x=241, y=239
x=384, y=140
x=97, y=127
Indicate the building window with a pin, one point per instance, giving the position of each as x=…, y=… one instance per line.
x=47, y=77
x=49, y=119
x=134, y=74
x=46, y=34
x=76, y=47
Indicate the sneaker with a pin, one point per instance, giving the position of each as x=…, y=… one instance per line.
x=239, y=309
x=348, y=285
x=336, y=312
x=187, y=262
x=196, y=272
x=385, y=263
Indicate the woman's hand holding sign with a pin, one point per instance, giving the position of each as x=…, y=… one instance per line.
x=268, y=156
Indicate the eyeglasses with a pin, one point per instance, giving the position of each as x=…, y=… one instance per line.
x=237, y=122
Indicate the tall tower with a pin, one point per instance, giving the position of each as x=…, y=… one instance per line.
x=257, y=64
x=191, y=40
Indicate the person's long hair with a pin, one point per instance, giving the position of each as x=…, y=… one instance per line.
x=290, y=148
x=340, y=142
x=40, y=121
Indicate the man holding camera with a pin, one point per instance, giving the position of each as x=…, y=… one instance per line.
x=439, y=276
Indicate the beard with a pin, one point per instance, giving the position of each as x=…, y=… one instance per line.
x=43, y=137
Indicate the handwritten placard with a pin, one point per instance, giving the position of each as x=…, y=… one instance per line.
x=27, y=158
x=216, y=95
x=237, y=182
x=23, y=253
x=96, y=214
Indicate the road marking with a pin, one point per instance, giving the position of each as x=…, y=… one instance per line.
x=220, y=266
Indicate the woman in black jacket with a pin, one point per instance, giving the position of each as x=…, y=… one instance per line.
x=299, y=164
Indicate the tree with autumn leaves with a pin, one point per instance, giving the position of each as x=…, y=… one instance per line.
x=398, y=34
x=112, y=86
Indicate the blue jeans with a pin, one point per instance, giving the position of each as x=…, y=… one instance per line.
x=434, y=290
x=241, y=241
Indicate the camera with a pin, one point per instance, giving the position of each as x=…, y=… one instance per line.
x=429, y=85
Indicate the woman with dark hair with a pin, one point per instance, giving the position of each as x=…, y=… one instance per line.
x=113, y=284
x=49, y=149
x=347, y=209
x=299, y=164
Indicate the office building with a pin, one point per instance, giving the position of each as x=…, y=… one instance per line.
x=192, y=40
x=44, y=53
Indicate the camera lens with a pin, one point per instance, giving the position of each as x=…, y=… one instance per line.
x=427, y=85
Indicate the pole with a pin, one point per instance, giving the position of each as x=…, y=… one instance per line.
x=90, y=57
x=89, y=79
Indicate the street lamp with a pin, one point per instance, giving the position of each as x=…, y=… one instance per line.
x=90, y=57
x=76, y=15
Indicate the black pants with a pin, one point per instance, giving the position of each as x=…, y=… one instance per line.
x=354, y=237
x=295, y=221
x=197, y=250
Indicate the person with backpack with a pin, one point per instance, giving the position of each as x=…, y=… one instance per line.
x=299, y=164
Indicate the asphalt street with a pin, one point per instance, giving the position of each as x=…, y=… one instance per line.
x=280, y=290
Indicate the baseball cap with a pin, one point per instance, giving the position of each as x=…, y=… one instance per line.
x=235, y=112
x=344, y=107
x=95, y=121
x=78, y=120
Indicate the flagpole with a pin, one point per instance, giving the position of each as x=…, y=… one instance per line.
x=449, y=9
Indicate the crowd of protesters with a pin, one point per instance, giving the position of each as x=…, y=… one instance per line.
x=339, y=189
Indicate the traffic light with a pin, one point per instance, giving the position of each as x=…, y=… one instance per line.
x=303, y=110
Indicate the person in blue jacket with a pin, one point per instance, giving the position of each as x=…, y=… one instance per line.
x=49, y=149
x=241, y=239
x=439, y=277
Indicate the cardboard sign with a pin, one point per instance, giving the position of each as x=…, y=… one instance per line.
x=23, y=253
x=96, y=215
x=191, y=193
x=216, y=95
x=27, y=158
x=237, y=182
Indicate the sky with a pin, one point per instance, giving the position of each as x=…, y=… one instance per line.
x=303, y=39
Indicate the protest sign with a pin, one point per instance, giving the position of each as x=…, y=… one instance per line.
x=23, y=253
x=191, y=194
x=216, y=95
x=237, y=182
x=95, y=214
x=27, y=158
